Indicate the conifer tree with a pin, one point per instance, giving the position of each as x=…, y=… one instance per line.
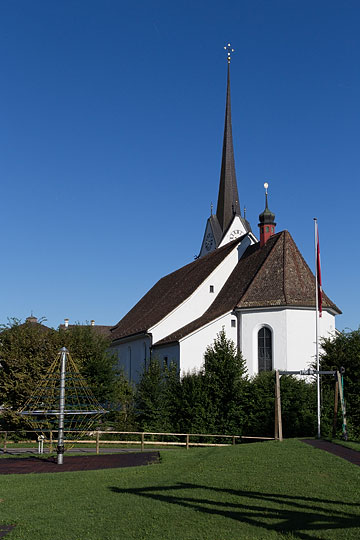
x=225, y=385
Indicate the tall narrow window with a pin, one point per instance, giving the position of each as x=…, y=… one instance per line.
x=144, y=354
x=129, y=362
x=265, y=349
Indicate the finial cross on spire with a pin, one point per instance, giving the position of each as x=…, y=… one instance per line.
x=229, y=51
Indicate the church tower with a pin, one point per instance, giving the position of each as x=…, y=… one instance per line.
x=266, y=221
x=228, y=223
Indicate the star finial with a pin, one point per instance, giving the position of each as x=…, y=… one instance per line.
x=229, y=51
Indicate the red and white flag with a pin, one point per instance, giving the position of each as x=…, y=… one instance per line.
x=318, y=272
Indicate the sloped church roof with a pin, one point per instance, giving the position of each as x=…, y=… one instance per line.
x=169, y=292
x=274, y=275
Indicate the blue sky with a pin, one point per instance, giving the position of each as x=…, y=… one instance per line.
x=111, y=122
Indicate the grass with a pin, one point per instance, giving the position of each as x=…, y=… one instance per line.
x=261, y=491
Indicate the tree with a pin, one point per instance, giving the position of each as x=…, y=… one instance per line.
x=154, y=398
x=89, y=349
x=342, y=351
x=298, y=406
x=225, y=385
x=27, y=350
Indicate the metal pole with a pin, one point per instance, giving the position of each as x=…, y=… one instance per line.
x=317, y=331
x=60, y=446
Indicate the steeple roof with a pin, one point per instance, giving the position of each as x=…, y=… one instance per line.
x=267, y=216
x=228, y=199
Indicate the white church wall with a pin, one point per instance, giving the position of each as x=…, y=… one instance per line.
x=208, y=234
x=251, y=322
x=293, y=336
x=168, y=354
x=132, y=355
x=235, y=230
x=301, y=331
x=192, y=347
x=194, y=306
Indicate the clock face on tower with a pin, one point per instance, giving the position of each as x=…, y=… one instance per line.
x=235, y=234
x=209, y=241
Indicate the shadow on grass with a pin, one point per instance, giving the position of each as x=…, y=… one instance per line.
x=5, y=529
x=303, y=517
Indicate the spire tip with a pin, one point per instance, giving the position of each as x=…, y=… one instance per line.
x=229, y=51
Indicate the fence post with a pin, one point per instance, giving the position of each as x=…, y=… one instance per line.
x=50, y=442
x=97, y=442
x=335, y=408
x=233, y=440
x=5, y=440
x=142, y=441
x=187, y=441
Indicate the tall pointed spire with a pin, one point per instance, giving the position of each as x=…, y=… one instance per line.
x=228, y=199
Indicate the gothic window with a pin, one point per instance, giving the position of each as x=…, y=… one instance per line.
x=265, y=349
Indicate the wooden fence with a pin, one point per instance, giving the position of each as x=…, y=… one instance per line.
x=94, y=437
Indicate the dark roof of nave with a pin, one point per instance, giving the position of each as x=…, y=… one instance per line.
x=169, y=292
x=273, y=275
x=100, y=329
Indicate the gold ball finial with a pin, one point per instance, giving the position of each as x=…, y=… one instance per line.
x=229, y=51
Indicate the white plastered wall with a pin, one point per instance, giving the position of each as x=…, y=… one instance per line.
x=235, y=230
x=301, y=330
x=194, y=306
x=293, y=336
x=192, y=347
x=131, y=356
x=171, y=352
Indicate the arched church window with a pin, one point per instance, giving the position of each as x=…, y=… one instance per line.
x=265, y=349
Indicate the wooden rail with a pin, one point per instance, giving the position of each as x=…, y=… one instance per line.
x=51, y=440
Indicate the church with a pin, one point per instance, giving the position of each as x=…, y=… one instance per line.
x=261, y=292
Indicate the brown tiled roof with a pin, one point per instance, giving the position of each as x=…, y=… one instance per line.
x=33, y=322
x=269, y=276
x=98, y=328
x=169, y=292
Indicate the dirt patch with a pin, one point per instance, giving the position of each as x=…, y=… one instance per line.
x=76, y=463
x=341, y=451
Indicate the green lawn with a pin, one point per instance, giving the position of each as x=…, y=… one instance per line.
x=254, y=491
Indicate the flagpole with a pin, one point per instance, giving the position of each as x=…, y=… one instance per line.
x=317, y=329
